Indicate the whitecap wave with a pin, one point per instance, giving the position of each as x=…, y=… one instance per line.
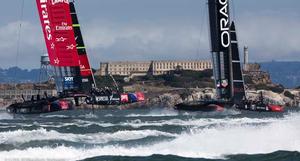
x=22, y=136
x=13, y=125
x=54, y=116
x=156, y=113
x=89, y=116
x=5, y=116
x=137, y=123
x=108, y=115
x=196, y=122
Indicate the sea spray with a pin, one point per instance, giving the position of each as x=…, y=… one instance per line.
x=192, y=135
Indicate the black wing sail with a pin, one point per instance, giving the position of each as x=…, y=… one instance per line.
x=88, y=81
x=220, y=46
x=238, y=81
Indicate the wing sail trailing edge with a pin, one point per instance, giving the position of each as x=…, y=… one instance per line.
x=85, y=69
x=238, y=80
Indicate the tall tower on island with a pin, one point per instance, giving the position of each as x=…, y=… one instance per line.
x=46, y=72
x=246, y=58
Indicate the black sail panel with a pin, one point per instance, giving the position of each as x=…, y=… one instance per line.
x=214, y=25
x=238, y=81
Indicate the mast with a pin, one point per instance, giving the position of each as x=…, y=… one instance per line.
x=219, y=20
x=88, y=80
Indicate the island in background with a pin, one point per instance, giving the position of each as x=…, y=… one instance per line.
x=172, y=87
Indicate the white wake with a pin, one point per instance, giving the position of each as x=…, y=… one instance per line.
x=232, y=136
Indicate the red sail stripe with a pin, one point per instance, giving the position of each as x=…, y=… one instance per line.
x=58, y=32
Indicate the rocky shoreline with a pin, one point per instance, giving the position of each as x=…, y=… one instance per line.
x=289, y=98
x=169, y=97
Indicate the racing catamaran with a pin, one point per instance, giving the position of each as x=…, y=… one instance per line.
x=229, y=82
x=67, y=53
x=219, y=20
x=60, y=41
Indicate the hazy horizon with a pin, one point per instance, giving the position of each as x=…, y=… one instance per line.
x=116, y=30
x=97, y=67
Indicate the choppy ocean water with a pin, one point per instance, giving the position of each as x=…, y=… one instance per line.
x=154, y=134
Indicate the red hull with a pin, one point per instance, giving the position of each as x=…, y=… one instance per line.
x=275, y=108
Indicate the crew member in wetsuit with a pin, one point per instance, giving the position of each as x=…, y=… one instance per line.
x=38, y=97
x=244, y=103
x=23, y=97
x=46, y=95
x=108, y=91
x=32, y=98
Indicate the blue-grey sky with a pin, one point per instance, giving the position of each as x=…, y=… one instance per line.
x=155, y=29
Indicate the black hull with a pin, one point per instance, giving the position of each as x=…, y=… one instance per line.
x=260, y=107
x=38, y=107
x=104, y=100
x=205, y=106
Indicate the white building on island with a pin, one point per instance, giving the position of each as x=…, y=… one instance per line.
x=142, y=68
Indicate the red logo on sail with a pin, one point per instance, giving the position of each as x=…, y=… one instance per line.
x=85, y=69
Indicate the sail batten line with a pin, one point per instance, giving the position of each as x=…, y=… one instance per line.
x=238, y=81
x=76, y=25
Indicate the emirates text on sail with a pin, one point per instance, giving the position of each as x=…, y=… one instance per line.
x=46, y=20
